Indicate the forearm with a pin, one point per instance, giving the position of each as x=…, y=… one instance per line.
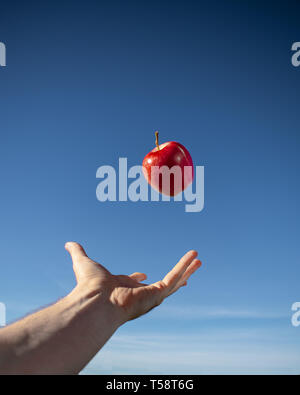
x=60, y=339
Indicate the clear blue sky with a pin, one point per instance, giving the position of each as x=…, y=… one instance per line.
x=89, y=82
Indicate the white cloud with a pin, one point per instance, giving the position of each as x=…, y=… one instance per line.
x=211, y=351
x=212, y=312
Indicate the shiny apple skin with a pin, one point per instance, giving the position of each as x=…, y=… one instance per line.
x=170, y=154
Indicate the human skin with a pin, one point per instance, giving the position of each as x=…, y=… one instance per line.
x=63, y=338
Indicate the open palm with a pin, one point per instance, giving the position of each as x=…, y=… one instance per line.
x=127, y=293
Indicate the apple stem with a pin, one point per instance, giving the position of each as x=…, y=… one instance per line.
x=156, y=140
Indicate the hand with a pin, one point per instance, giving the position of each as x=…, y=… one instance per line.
x=127, y=294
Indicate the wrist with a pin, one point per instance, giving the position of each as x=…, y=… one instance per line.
x=93, y=302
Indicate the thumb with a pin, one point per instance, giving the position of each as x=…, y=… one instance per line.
x=83, y=266
x=78, y=255
x=75, y=250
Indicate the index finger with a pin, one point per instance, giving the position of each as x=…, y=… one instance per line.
x=172, y=278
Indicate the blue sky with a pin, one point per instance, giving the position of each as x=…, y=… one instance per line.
x=89, y=82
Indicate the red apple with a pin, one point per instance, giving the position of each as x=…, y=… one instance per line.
x=163, y=158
